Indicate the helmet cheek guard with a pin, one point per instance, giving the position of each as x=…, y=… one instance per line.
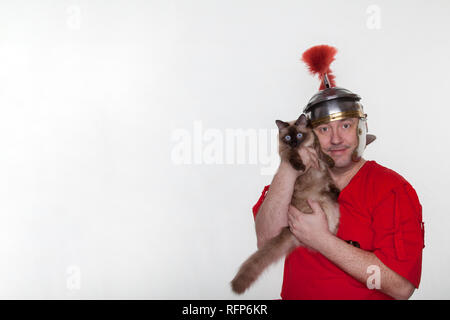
x=361, y=132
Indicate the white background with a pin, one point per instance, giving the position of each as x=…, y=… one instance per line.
x=92, y=204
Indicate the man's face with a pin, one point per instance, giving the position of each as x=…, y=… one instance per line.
x=338, y=139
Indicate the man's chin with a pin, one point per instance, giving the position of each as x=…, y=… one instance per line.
x=341, y=161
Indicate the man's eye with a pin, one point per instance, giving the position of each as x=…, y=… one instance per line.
x=324, y=129
x=287, y=138
x=346, y=125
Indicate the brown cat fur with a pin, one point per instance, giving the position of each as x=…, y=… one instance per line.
x=315, y=184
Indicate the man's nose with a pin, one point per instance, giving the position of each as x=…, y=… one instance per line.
x=335, y=136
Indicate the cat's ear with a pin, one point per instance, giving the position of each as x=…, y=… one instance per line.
x=301, y=121
x=281, y=124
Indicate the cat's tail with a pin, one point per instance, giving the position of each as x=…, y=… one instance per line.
x=271, y=252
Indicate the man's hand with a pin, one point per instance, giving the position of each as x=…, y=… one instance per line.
x=311, y=229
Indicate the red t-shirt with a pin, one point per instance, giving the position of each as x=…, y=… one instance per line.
x=381, y=211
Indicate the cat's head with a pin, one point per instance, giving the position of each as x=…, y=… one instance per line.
x=297, y=134
x=294, y=134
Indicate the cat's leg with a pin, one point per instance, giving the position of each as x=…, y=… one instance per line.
x=332, y=213
x=334, y=191
x=296, y=161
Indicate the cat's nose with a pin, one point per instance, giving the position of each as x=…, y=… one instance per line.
x=293, y=144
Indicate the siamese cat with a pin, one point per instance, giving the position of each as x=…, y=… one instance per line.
x=315, y=184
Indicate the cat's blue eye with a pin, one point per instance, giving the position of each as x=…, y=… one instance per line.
x=287, y=138
x=299, y=135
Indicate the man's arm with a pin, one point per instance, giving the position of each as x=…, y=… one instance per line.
x=272, y=215
x=356, y=262
x=312, y=230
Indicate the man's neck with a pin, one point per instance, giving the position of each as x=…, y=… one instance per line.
x=343, y=176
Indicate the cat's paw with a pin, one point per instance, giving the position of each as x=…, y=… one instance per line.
x=297, y=164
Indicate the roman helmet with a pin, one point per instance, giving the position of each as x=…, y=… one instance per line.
x=333, y=103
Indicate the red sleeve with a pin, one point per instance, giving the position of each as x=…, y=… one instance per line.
x=260, y=201
x=399, y=233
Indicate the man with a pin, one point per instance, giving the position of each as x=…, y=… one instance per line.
x=377, y=252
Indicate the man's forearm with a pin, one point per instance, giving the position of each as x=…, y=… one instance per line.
x=272, y=215
x=356, y=262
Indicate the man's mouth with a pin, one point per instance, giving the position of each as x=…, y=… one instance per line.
x=337, y=151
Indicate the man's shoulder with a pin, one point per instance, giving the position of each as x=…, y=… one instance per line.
x=382, y=174
x=382, y=180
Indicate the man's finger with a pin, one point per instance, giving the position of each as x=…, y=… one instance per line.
x=293, y=209
x=314, y=159
x=315, y=162
x=291, y=223
x=315, y=206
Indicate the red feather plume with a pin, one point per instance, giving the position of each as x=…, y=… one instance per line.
x=318, y=59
